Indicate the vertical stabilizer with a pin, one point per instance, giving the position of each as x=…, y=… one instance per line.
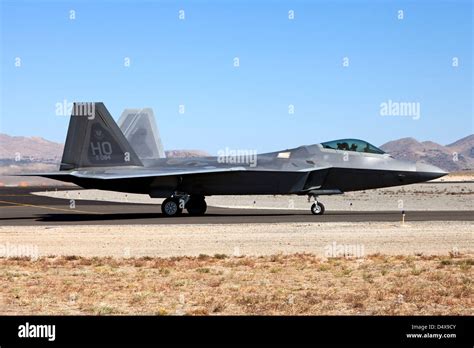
x=139, y=128
x=95, y=140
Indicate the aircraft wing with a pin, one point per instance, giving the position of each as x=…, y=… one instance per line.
x=111, y=174
x=130, y=174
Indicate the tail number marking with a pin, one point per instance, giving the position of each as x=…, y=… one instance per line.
x=101, y=150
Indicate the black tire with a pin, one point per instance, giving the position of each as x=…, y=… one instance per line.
x=317, y=208
x=196, y=205
x=170, y=207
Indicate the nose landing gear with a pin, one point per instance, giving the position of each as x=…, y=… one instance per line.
x=317, y=208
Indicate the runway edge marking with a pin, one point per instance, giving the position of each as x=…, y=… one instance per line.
x=43, y=207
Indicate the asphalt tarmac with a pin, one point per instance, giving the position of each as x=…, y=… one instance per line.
x=18, y=207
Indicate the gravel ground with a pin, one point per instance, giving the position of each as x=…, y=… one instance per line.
x=321, y=239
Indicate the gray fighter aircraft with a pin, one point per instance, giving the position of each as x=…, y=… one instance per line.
x=97, y=155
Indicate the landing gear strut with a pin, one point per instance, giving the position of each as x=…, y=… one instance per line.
x=194, y=204
x=317, y=208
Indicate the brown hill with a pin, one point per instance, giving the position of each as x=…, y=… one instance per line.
x=464, y=146
x=29, y=148
x=457, y=156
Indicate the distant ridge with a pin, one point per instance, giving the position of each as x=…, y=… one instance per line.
x=12, y=147
x=454, y=157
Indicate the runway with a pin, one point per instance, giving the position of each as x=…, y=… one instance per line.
x=21, y=208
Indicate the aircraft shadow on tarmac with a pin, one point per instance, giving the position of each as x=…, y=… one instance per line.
x=233, y=216
x=78, y=217
x=137, y=216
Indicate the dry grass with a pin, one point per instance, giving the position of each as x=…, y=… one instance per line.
x=298, y=284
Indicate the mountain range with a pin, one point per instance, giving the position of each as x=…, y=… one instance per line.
x=454, y=157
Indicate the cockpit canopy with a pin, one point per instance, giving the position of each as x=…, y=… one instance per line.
x=355, y=145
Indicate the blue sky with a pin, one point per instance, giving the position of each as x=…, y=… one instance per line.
x=190, y=62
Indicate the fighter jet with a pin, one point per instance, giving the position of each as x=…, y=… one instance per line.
x=97, y=155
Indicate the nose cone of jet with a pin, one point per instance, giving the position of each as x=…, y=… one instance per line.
x=429, y=172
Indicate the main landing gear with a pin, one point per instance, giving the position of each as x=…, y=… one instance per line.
x=317, y=208
x=174, y=205
x=196, y=205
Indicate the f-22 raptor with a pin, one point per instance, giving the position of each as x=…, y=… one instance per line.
x=97, y=155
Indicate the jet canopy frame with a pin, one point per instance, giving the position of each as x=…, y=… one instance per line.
x=355, y=145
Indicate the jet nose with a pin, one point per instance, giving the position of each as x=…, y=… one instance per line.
x=429, y=172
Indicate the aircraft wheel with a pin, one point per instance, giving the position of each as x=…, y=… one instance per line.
x=317, y=208
x=170, y=207
x=196, y=205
